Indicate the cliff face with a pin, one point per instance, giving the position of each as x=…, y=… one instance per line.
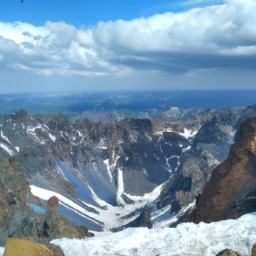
x=16, y=217
x=209, y=148
x=231, y=190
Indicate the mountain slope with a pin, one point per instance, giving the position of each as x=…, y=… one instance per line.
x=231, y=190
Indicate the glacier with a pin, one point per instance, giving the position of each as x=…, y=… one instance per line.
x=187, y=239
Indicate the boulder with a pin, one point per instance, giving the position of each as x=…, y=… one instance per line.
x=20, y=247
x=253, y=250
x=53, y=203
x=227, y=252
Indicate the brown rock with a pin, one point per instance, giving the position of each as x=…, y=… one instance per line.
x=227, y=252
x=231, y=191
x=53, y=203
x=20, y=247
x=253, y=250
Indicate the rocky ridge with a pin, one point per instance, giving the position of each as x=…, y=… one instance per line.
x=230, y=191
x=119, y=162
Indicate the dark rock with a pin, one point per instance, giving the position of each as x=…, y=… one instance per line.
x=142, y=221
x=253, y=251
x=227, y=252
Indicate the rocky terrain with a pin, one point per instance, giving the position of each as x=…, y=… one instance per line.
x=107, y=176
x=16, y=217
x=231, y=191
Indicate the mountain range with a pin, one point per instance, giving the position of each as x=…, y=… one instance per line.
x=147, y=171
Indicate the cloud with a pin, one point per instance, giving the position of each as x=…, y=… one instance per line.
x=217, y=36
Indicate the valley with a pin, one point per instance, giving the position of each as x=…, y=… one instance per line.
x=111, y=176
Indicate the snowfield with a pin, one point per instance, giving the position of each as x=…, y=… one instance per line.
x=188, y=239
x=112, y=217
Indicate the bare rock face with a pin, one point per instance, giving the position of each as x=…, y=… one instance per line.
x=53, y=203
x=231, y=190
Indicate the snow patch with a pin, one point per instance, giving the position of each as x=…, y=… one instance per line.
x=160, y=212
x=46, y=194
x=145, y=171
x=186, y=149
x=8, y=150
x=53, y=138
x=80, y=135
x=111, y=216
x=32, y=131
x=147, y=197
x=176, y=217
x=188, y=133
x=5, y=138
x=101, y=145
x=111, y=167
x=106, y=162
x=120, y=188
x=178, y=163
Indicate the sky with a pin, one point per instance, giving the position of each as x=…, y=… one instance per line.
x=55, y=46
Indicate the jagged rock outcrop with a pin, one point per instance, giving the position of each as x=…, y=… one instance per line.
x=16, y=217
x=231, y=190
x=210, y=147
x=53, y=203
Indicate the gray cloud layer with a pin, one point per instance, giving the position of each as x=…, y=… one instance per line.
x=222, y=36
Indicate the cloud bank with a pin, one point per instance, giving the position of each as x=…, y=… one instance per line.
x=213, y=37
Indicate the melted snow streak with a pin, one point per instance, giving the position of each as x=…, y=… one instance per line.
x=188, y=239
x=120, y=188
x=8, y=150
x=5, y=138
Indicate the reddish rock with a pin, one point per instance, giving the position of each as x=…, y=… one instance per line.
x=231, y=191
x=53, y=203
x=253, y=251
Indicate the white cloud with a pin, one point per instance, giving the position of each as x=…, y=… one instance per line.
x=208, y=37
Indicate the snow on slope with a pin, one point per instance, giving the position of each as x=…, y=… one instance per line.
x=188, y=239
x=111, y=216
x=8, y=150
x=188, y=133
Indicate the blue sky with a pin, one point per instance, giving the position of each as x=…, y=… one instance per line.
x=89, y=12
x=129, y=44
